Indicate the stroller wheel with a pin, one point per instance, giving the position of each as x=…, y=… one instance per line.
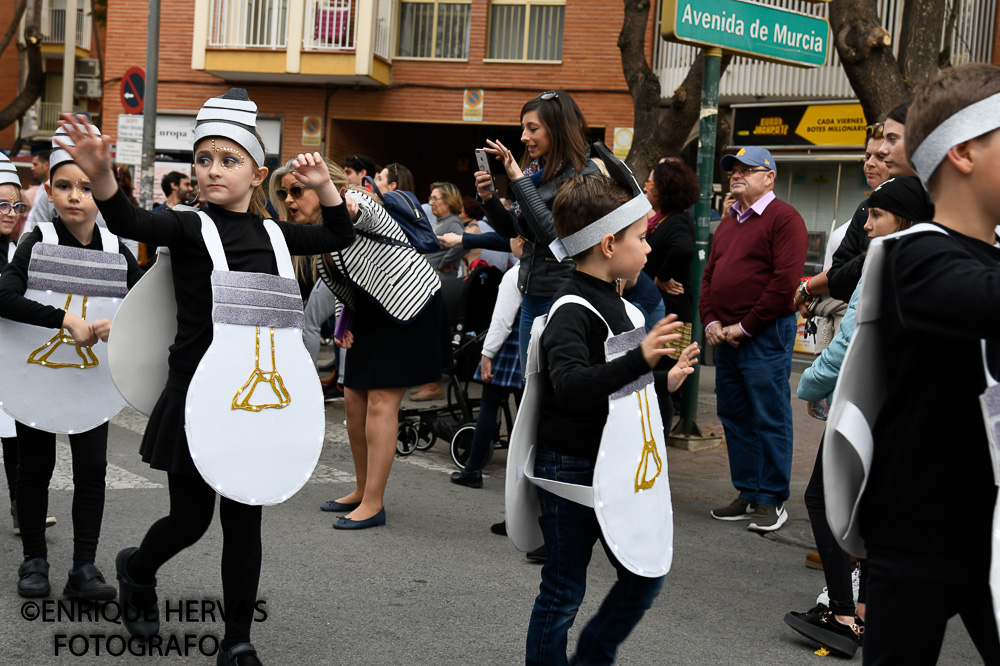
x=406, y=439
x=425, y=436
x=461, y=445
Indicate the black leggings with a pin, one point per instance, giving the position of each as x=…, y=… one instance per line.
x=486, y=424
x=10, y=464
x=836, y=563
x=192, y=503
x=37, y=460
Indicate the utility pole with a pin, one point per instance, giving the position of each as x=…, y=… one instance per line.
x=149, y=107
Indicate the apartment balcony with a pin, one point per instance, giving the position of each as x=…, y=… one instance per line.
x=746, y=79
x=294, y=41
x=54, y=29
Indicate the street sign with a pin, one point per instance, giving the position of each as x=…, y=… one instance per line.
x=133, y=90
x=129, y=127
x=129, y=152
x=788, y=125
x=747, y=28
x=472, y=105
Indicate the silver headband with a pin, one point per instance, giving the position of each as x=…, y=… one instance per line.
x=59, y=154
x=972, y=121
x=234, y=132
x=591, y=235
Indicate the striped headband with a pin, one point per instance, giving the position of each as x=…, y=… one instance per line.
x=972, y=121
x=59, y=154
x=620, y=218
x=232, y=116
x=8, y=172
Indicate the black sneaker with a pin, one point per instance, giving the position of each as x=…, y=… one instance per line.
x=840, y=639
x=738, y=509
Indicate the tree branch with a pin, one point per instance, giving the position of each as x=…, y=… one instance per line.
x=34, y=85
x=12, y=30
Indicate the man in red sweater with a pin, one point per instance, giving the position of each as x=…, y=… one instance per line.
x=757, y=259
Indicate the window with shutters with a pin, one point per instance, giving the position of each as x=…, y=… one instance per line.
x=430, y=29
x=530, y=30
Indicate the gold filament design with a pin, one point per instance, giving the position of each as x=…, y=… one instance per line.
x=41, y=355
x=648, y=449
x=258, y=376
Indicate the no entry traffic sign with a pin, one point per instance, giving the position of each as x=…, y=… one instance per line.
x=133, y=90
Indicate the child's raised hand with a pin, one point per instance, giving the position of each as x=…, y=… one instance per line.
x=310, y=170
x=92, y=153
x=654, y=347
x=684, y=367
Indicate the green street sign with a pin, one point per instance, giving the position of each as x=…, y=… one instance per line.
x=747, y=28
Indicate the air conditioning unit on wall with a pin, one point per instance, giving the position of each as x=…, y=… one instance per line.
x=87, y=88
x=88, y=68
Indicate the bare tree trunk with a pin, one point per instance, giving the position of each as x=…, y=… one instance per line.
x=658, y=127
x=34, y=85
x=920, y=40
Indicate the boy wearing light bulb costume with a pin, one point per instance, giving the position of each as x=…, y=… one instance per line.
x=589, y=433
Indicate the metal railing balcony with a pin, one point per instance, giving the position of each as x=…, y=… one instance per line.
x=330, y=25
x=248, y=24
x=54, y=27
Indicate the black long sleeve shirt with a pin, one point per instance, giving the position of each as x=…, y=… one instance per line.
x=931, y=486
x=247, y=247
x=14, y=281
x=578, y=380
x=849, y=259
x=671, y=251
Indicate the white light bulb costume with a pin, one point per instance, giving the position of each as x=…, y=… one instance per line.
x=37, y=365
x=254, y=415
x=631, y=492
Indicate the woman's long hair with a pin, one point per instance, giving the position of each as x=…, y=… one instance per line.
x=567, y=128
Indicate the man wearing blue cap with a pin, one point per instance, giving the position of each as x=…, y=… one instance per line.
x=757, y=259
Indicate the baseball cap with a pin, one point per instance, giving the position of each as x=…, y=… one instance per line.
x=750, y=156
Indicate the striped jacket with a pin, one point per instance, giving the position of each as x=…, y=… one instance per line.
x=380, y=265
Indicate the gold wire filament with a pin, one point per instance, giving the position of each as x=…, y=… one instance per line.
x=272, y=378
x=41, y=355
x=648, y=449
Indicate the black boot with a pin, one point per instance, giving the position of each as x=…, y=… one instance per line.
x=33, y=578
x=140, y=613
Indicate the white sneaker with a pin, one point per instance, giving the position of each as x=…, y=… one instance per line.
x=767, y=518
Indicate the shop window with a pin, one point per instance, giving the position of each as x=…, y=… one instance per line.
x=429, y=29
x=526, y=30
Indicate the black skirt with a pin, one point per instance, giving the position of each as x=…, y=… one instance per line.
x=387, y=354
x=164, y=444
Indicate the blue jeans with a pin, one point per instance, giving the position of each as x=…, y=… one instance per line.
x=754, y=405
x=531, y=307
x=570, y=531
x=655, y=315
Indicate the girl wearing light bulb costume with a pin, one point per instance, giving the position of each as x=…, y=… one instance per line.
x=57, y=297
x=241, y=414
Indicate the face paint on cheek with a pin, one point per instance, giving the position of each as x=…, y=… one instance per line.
x=80, y=184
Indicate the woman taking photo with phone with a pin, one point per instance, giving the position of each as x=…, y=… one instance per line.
x=554, y=133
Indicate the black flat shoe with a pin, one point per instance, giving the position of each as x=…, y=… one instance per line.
x=538, y=555
x=345, y=523
x=338, y=507
x=499, y=528
x=87, y=582
x=231, y=657
x=33, y=578
x=468, y=479
x=140, y=613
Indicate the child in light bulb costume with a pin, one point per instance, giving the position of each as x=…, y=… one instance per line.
x=589, y=433
x=230, y=272
x=57, y=298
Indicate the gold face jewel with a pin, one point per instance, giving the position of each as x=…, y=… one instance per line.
x=216, y=149
x=82, y=183
x=257, y=376
x=648, y=450
x=41, y=355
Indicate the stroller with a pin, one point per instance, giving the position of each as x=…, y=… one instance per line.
x=469, y=305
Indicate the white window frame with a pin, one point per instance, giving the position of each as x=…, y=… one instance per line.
x=527, y=4
x=434, y=27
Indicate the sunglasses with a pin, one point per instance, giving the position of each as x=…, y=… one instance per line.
x=6, y=207
x=549, y=94
x=296, y=191
x=874, y=131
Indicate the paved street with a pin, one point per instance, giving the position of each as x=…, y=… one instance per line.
x=434, y=586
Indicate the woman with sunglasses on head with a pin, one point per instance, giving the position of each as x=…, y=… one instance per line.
x=554, y=133
x=394, y=177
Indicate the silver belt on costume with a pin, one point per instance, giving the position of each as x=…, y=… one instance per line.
x=73, y=270
x=256, y=299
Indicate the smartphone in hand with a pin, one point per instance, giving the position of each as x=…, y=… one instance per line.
x=483, y=162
